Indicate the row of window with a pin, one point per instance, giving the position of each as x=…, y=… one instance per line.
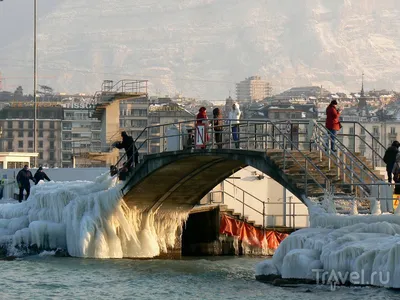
x=10, y=134
x=134, y=112
x=30, y=124
x=21, y=145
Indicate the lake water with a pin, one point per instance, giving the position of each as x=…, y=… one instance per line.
x=49, y=277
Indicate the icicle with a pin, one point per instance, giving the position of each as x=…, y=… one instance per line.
x=354, y=207
x=375, y=206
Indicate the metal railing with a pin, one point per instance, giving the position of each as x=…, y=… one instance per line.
x=262, y=211
x=264, y=135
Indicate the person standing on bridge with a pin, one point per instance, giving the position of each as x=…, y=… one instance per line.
x=131, y=151
x=396, y=174
x=202, y=119
x=217, y=122
x=332, y=123
x=390, y=159
x=234, y=117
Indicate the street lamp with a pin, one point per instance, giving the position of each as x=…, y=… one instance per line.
x=34, y=79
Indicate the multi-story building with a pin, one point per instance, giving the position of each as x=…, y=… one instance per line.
x=16, y=121
x=80, y=135
x=253, y=89
x=133, y=119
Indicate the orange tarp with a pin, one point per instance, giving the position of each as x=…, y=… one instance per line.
x=253, y=236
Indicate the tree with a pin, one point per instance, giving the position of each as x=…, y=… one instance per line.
x=19, y=93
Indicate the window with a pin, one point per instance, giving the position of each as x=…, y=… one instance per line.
x=20, y=144
x=66, y=146
x=51, y=156
x=20, y=133
x=362, y=130
x=392, y=130
x=51, y=134
x=9, y=134
x=30, y=144
x=40, y=144
x=51, y=145
x=30, y=125
x=9, y=124
x=20, y=124
x=139, y=112
x=375, y=130
x=40, y=155
x=40, y=134
x=351, y=130
x=276, y=116
x=30, y=133
x=9, y=145
x=41, y=125
x=51, y=125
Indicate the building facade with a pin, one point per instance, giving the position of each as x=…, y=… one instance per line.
x=133, y=119
x=253, y=89
x=16, y=121
x=80, y=135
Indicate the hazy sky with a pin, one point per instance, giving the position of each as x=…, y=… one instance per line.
x=202, y=47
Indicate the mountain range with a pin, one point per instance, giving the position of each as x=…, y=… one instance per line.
x=201, y=48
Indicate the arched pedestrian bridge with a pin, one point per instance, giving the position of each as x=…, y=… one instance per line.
x=182, y=178
x=297, y=160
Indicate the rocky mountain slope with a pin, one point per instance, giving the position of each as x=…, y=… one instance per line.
x=202, y=47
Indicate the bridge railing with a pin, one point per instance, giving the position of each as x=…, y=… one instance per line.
x=296, y=136
x=253, y=135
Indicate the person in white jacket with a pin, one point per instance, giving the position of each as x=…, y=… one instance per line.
x=234, y=116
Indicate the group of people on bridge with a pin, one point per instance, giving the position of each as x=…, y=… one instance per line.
x=218, y=125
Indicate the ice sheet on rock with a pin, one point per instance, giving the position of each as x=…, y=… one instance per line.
x=365, y=244
x=88, y=219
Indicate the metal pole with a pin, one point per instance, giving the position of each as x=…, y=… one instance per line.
x=34, y=82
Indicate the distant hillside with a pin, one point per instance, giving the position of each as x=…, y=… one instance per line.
x=202, y=47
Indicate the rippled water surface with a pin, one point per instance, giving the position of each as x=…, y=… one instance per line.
x=47, y=277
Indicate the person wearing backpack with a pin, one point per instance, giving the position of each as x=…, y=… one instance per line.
x=390, y=159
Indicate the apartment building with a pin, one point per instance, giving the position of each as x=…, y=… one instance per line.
x=133, y=119
x=16, y=121
x=80, y=135
x=253, y=89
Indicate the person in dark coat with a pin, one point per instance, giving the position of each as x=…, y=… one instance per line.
x=390, y=158
x=40, y=175
x=23, y=182
x=217, y=122
x=128, y=144
x=396, y=174
x=332, y=123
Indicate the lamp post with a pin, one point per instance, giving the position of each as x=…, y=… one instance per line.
x=34, y=81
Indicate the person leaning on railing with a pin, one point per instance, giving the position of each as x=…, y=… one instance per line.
x=202, y=119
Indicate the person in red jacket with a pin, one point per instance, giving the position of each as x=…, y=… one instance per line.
x=332, y=122
x=202, y=119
